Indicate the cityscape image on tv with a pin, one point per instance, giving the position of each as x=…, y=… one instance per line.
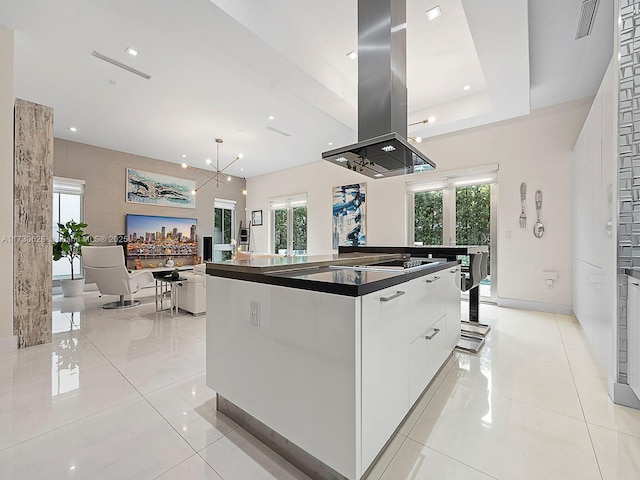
x=154, y=236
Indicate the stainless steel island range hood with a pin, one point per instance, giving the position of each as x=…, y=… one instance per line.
x=382, y=149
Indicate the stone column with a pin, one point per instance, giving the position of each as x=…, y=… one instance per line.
x=33, y=197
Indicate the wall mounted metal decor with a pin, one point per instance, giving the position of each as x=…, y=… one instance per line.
x=538, y=228
x=523, y=202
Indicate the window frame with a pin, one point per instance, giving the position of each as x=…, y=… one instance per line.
x=448, y=183
x=223, y=204
x=287, y=204
x=73, y=187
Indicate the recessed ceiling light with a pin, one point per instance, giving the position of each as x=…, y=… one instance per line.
x=434, y=12
x=378, y=175
x=341, y=160
x=131, y=51
x=352, y=54
x=241, y=155
x=388, y=148
x=184, y=165
x=467, y=87
x=432, y=119
x=271, y=117
x=244, y=192
x=242, y=169
x=208, y=160
x=330, y=143
x=73, y=129
x=228, y=179
x=184, y=155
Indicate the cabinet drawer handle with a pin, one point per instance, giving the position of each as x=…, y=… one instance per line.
x=431, y=280
x=399, y=293
x=435, y=332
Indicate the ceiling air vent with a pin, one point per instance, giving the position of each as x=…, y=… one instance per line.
x=120, y=65
x=587, y=15
x=275, y=130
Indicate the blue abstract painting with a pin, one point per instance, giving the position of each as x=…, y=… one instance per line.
x=157, y=189
x=349, y=215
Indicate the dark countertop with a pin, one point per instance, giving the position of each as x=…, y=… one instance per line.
x=437, y=251
x=316, y=274
x=271, y=264
x=632, y=273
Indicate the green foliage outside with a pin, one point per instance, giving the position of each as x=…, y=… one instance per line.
x=428, y=217
x=300, y=228
x=472, y=215
x=473, y=204
x=279, y=230
x=71, y=239
x=223, y=223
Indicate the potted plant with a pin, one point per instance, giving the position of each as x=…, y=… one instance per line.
x=175, y=274
x=71, y=239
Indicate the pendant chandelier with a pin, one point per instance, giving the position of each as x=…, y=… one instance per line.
x=218, y=172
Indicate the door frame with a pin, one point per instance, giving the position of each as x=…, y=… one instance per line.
x=449, y=227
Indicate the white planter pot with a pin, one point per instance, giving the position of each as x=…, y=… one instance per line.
x=72, y=288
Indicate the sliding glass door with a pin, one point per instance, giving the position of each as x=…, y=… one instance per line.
x=457, y=211
x=289, y=225
x=224, y=219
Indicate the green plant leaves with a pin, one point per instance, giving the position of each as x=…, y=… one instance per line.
x=71, y=239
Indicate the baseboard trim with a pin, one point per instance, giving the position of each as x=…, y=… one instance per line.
x=622, y=394
x=9, y=344
x=535, y=306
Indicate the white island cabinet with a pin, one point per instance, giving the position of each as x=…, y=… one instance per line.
x=333, y=374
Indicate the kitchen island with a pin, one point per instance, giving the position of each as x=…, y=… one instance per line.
x=322, y=357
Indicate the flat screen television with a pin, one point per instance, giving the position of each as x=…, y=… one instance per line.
x=151, y=236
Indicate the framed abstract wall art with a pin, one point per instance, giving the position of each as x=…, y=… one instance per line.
x=157, y=189
x=349, y=215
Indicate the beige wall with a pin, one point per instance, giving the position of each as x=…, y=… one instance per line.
x=104, y=173
x=6, y=187
x=535, y=149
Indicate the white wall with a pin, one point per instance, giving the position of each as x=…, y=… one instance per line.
x=6, y=188
x=535, y=149
x=594, y=222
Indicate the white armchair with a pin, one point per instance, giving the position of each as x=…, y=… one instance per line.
x=192, y=294
x=106, y=267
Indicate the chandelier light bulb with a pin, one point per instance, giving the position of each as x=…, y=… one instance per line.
x=193, y=192
x=244, y=192
x=418, y=139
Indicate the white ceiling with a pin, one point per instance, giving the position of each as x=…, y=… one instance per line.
x=220, y=67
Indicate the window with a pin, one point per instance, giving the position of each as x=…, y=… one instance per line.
x=68, y=204
x=289, y=225
x=458, y=209
x=224, y=224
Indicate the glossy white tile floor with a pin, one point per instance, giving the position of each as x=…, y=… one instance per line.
x=122, y=394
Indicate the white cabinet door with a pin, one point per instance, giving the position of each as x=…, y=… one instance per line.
x=425, y=303
x=385, y=367
x=633, y=335
x=452, y=300
x=426, y=355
